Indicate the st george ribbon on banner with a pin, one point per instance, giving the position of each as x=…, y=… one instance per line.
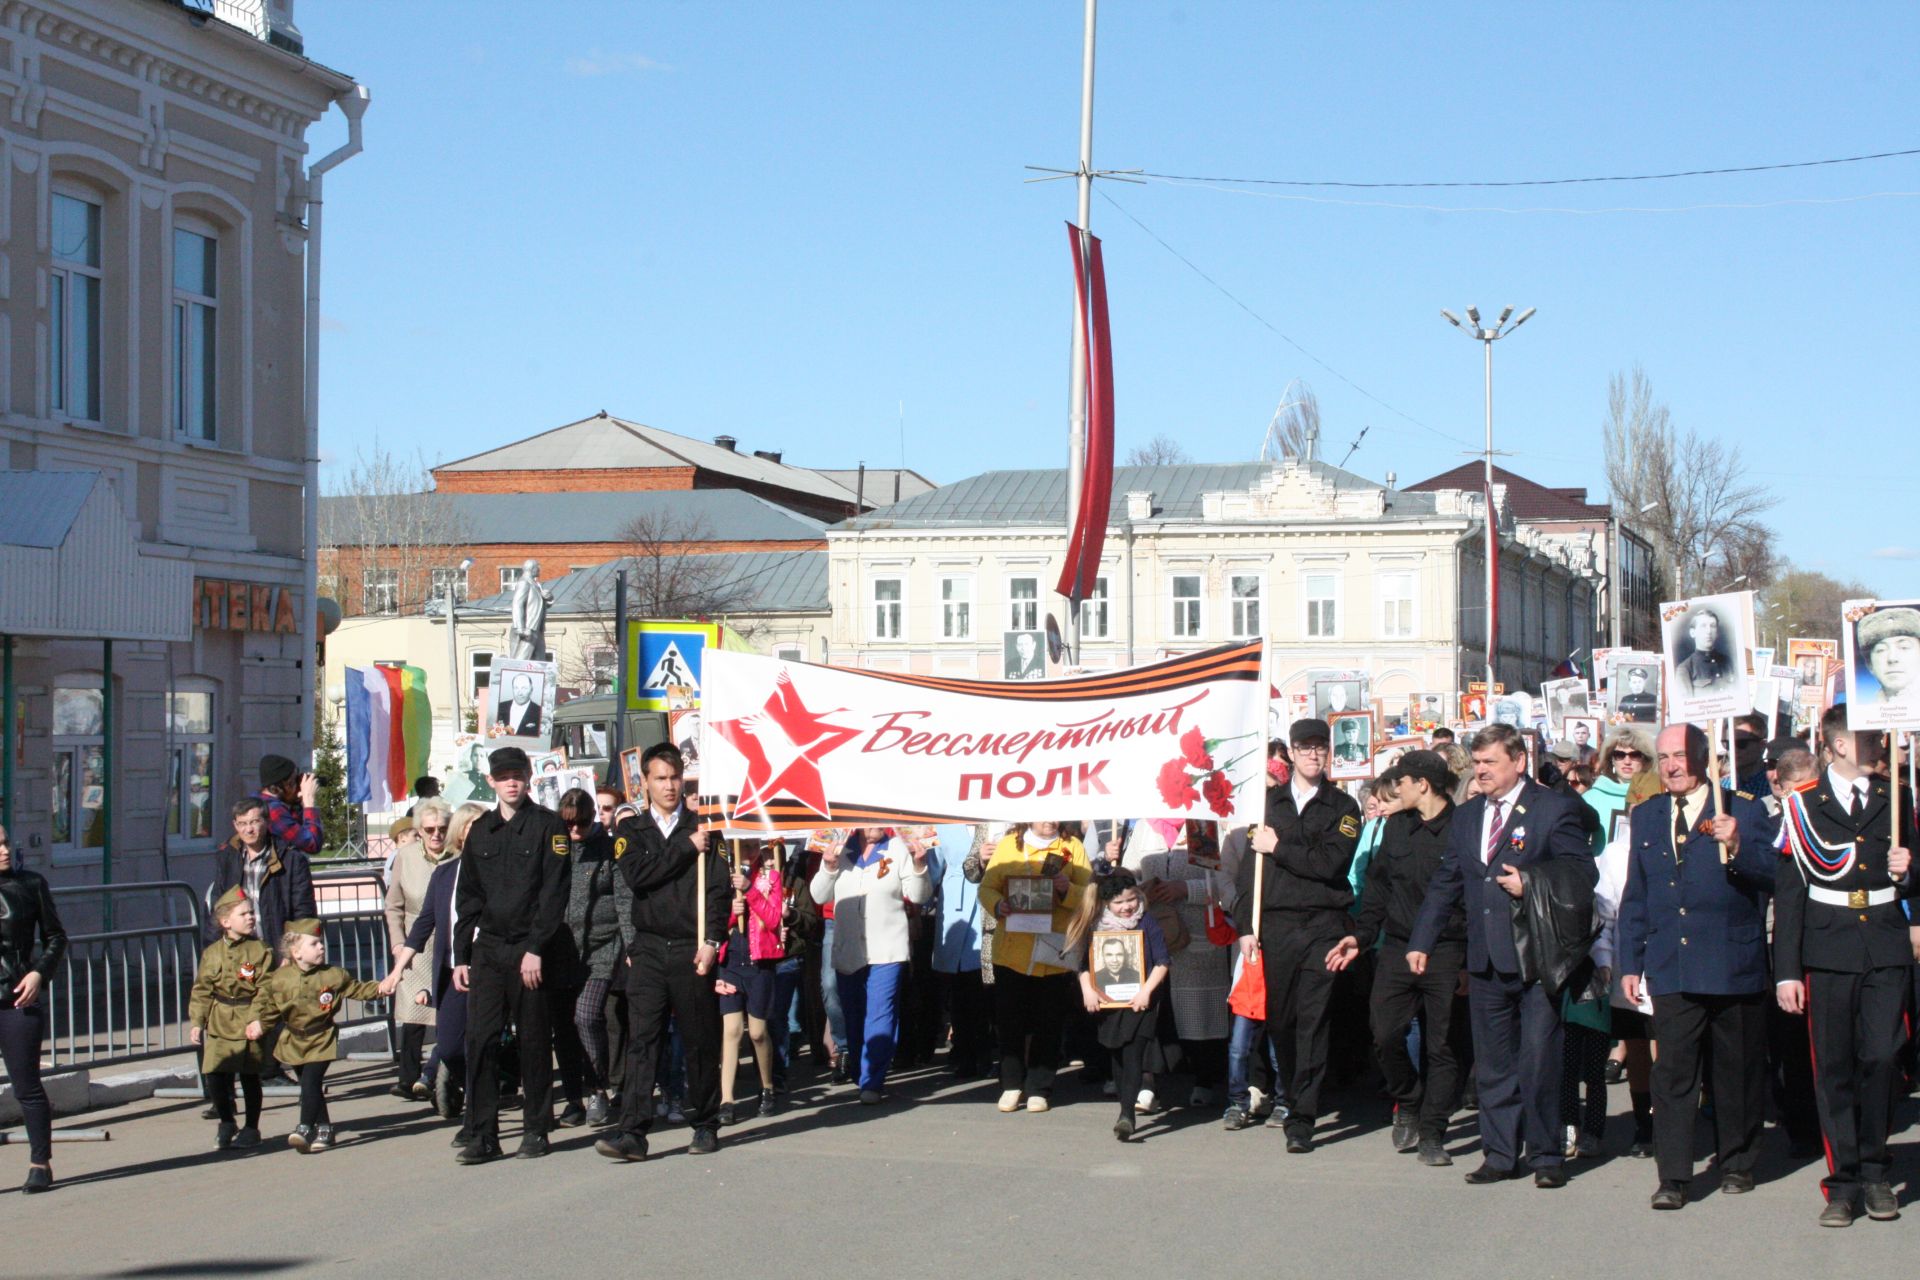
x=793, y=746
x=1089, y=532
x=389, y=725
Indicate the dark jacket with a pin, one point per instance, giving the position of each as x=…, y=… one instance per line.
x=514, y=887
x=1410, y=851
x=1843, y=939
x=659, y=871
x=596, y=935
x=286, y=891
x=1542, y=827
x=1554, y=924
x=27, y=910
x=1694, y=925
x=435, y=911
x=1307, y=871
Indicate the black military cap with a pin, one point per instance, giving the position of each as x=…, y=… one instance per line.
x=506, y=760
x=1309, y=729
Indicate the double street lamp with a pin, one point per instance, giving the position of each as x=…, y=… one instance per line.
x=1487, y=335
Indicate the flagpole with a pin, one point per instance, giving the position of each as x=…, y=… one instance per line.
x=1077, y=424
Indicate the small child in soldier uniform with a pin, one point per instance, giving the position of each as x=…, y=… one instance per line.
x=232, y=972
x=304, y=995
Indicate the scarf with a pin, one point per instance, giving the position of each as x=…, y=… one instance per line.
x=1112, y=921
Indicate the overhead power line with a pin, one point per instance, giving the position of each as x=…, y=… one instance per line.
x=1543, y=182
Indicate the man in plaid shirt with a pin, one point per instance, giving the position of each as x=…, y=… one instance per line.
x=281, y=784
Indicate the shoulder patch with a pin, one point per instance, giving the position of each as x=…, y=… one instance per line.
x=1744, y=795
x=559, y=846
x=619, y=848
x=1349, y=826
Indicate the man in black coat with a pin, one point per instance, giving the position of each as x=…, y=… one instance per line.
x=1307, y=846
x=1512, y=824
x=1843, y=951
x=276, y=876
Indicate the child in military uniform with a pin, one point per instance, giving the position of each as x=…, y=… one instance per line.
x=220, y=1009
x=304, y=995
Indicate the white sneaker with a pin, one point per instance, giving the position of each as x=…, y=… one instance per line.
x=1010, y=1100
x=1144, y=1102
x=1573, y=1141
x=1255, y=1100
x=1036, y=1104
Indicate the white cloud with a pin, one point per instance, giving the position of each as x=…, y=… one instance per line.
x=613, y=64
x=1897, y=553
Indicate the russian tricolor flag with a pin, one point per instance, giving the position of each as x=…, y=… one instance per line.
x=389, y=727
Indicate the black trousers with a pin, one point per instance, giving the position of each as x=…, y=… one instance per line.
x=1790, y=1068
x=313, y=1093
x=410, y=1050
x=1732, y=1031
x=568, y=1048
x=1299, y=996
x=963, y=1004
x=1399, y=996
x=1857, y=1029
x=220, y=1088
x=1517, y=1048
x=661, y=983
x=1030, y=1015
x=494, y=998
x=21, y=1033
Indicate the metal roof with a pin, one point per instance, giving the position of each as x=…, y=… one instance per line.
x=756, y=582
x=37, y=508
x=1529, y=499
x=474, y=519
x=879, y=483
x=1040, y=498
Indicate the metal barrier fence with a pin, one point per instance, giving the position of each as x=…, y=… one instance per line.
x=122, y=994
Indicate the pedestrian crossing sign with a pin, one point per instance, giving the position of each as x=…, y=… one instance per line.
x=663, y=655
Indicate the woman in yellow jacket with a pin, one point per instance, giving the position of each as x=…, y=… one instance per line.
x=1031, y=887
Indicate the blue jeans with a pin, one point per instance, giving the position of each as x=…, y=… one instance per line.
x=1246, y=1034
x=830, y=991
x=870, y=998
x=783, y=1021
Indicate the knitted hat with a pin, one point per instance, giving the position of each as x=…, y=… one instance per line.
x=275, y=770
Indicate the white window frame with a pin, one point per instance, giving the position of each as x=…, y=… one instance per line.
x=479, y=675
x=1023, y=611
x=184, y=745
x=72, y=750
x=441, y=577
x=1188, y=617
x=887, y=619
x=1410, y=627
x=1096, y=611
x=66, y=277
x=380, y=592
x=602, y=662
x=195, y=316
x=956, y=612
x=1246, y=613
x=510, y=575
x=1311, y=627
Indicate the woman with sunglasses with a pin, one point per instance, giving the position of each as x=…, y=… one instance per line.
x=413, y=866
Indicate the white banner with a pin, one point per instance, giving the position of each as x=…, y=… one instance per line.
x=791, y=746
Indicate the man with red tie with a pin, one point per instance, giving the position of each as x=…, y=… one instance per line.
x=1512, y=824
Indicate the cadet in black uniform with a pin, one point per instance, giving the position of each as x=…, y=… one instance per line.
x=1308, y=843
x=510, y=903
x=1843, y=951
x=669, y=970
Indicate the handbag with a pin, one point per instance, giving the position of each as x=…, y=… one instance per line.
x=1167, y=916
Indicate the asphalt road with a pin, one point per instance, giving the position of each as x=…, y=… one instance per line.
x=935, y=1182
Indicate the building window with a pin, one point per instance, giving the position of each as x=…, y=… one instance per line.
x=73, y=309
x=380, y=591
x=1094, y=616
x=1186, y=605
x=887, y=608
x=510, y=576
x=454, y=578
x=1023, y=604
x=1322, y=594
x=603, y=663
x=195, y=328
x=79, y=788
x=790, y=652
x=1246, y=605
x=956, y=608
x=190, y=769
x=1396, y=606
x=479, y=676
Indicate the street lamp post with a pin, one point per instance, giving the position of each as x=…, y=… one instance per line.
x=453, y=649
x=1487, y=335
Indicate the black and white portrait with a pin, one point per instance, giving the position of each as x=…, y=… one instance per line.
x=1705, y=645
x=1635, y=682
x=1025, y=653
x=1116, y=962
x=1334, y=697
x=1352, y=745
x=523, y=700
x=1564, y=698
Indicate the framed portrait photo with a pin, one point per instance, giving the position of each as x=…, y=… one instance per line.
x=1116, y=962
x=1583, y=732
x=521, y=695
x=1203, y=843
x=1814, y=660
x=1029, y=904
x=1024, y=655
x=1352, y=745
x=1564, y=698
x=1704, y=644
x=1881, y=661
x=1338, y=697
x=1634, y=684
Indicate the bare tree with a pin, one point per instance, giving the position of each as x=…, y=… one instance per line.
x=1294, y=426
x=1806, y=604
x=1161, y=451
x=1689, y=494
x=383, y=530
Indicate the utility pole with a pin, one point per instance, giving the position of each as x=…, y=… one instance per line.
x=1077, y=422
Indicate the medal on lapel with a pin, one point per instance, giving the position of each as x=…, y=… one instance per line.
x=249, y=972
x=325, y=999
x=1517, y=840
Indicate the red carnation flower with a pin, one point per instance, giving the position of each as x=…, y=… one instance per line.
x=1219, y=794
x=1193, y=745
x=1175, y=787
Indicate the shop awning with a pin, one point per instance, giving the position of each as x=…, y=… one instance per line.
x=71, y=564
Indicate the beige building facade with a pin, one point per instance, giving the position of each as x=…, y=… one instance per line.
x=154, y=250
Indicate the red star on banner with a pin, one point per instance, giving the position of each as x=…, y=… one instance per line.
x=783, y=746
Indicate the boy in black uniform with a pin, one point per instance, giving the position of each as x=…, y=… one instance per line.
x=510, y=903
x=669, y=968
x=1410, y=851
x=1843, y=951
x=1307, y=844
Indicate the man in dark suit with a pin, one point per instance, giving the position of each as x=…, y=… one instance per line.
x=1693, y=930
x=521, y=712
x=1512, y=824
x=1843, y=951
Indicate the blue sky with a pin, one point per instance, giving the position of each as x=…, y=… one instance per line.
x=784, y=222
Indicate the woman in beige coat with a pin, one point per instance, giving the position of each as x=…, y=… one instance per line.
x=413, y=866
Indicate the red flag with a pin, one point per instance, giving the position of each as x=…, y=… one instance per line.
x=1493, y=584
x=1089, y=532
x=1249, y=995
